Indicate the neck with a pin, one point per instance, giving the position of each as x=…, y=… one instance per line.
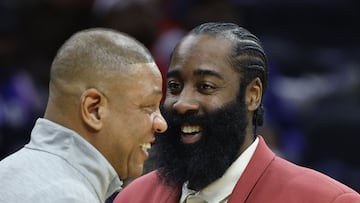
x=249, y=139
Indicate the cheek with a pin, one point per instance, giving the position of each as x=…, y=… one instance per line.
x=229, y=94
x=128, y=151
x=139, y=126
x=137, y=131
x=132, y=123
x=136, y=163
x=169, y=101
x=210, y=104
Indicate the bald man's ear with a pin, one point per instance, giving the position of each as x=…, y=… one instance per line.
x=254, y=94
x=92, y=108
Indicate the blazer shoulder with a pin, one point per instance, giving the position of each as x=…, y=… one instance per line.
x=349, y=197
x=291, y=182
x=298, y=180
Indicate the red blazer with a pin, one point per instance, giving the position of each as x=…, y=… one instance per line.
x=266, y=179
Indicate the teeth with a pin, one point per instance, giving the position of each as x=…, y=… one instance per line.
x=145, y=146
x=190, y=129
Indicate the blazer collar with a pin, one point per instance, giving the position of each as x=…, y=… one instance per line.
x=257, y=165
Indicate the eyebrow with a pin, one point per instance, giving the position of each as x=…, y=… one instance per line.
x=176, y=73
x=173, y=73
x=207, y=72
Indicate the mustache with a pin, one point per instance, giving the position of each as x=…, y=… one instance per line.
x=175, y=120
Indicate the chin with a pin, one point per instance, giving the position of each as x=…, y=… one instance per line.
x=136, y=172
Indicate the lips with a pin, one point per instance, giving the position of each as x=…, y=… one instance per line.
x=190, y=134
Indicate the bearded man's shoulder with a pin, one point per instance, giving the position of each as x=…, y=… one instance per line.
x=148, y=188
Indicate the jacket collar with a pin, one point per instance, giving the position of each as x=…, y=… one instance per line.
x=257, y=165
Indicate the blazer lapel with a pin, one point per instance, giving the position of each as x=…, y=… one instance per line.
x=261, y=159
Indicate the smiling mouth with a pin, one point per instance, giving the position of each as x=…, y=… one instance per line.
x=190, y=134
x=145, y=146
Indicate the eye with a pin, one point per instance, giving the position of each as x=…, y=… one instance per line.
x=174, y=87
x=206, y=87
x=150, y=108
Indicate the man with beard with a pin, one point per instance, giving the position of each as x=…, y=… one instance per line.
x=211, y=153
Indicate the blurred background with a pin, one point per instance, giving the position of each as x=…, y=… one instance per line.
x=313, y=101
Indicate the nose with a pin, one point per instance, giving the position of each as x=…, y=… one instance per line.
x=160, y=124
x=185, y=103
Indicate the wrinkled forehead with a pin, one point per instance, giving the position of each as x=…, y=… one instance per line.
x=146, y=77
x=137, y=72
x=144, y=70
x=138, y=80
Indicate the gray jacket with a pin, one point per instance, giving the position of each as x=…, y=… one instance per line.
x=57, y=165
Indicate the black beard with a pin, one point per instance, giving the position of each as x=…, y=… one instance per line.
x=207, y=160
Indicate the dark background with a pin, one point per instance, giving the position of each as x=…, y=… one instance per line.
x=313, y=101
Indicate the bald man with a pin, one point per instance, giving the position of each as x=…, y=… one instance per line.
x=100, y=120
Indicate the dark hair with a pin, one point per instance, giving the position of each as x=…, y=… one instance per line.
x=248, y=56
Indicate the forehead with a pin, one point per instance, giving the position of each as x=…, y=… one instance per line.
x=203, y=52
x=140, y=80
x=204, y=45
x=146, y=71
x=147, y=75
